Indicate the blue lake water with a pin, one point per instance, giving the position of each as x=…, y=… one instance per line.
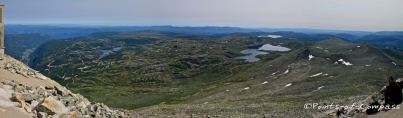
x=254, y=52
x=106, y=52
x=268, y=47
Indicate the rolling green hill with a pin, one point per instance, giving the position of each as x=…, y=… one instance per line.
x=171, y=74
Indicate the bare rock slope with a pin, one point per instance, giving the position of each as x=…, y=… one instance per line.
x=25, y=92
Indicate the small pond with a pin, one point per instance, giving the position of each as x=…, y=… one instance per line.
x=106, y=52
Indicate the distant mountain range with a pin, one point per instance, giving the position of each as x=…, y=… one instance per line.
x=68, y=31
x=24, y=34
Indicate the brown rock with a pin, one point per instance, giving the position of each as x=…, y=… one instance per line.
x=23, y=104
x=51, y=106
x=6, y=82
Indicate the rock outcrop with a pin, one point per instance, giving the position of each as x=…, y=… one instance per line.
x=52, y=100
x=54, y=103
x=17, y=67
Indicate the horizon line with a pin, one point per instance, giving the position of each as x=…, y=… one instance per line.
x=100, y=25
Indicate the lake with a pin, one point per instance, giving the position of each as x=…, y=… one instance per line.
x=252, y=57
x=105, y=52
x=254, y=52
x=268, y=47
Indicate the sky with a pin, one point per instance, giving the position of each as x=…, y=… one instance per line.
x=366, y=15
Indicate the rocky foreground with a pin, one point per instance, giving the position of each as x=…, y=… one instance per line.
x=52, y=100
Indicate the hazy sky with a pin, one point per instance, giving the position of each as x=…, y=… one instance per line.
x=323, y=14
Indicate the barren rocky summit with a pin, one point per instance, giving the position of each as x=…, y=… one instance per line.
x=27, y=93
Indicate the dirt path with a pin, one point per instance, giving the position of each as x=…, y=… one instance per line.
x=306, y=71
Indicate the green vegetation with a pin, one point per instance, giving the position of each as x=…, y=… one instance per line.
x=155, y=66
x=166, y=73
x=20, y=46
x=398, y=55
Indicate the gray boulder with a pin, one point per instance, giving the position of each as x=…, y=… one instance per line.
x=19, y=89
x=25, y=96
x=41, y=91
x=66, y=115
x=62, y=90
x=42, y=115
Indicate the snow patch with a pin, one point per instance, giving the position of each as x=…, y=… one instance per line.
x=358, y=46
x=316, y=74
x=286, y=72
x=265, y=82
x=368, y=65
x=343, y=62
x=347, y=63
x=394, y=63
x=246, y=88
x=320, y=87
x=310, y=57
x=288, y=85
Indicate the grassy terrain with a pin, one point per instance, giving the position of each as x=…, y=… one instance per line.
x=341, y=84
x=166, y=68
x=176, y=74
